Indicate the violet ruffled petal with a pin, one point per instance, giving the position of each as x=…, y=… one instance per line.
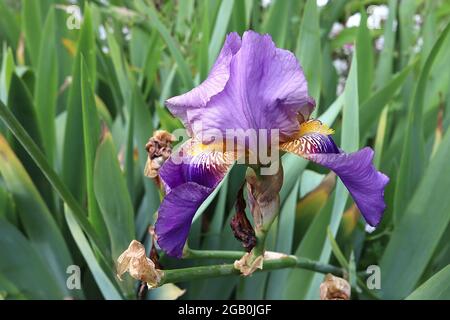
x=365, y=184
x=214, y=84
x=267, y=89
x=206, y=167
x=188, y=182
x=175, y=216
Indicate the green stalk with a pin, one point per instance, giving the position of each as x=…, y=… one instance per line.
x=189, y=253
x=260, y=247
x=212, y=271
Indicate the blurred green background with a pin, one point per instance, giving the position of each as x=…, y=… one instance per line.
x=87, y=81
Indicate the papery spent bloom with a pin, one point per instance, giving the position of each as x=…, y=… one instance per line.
x=135, y=262
x=159, y=149
x=334, y=288
x=252, y=85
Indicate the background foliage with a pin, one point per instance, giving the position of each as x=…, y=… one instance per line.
x=91, y=97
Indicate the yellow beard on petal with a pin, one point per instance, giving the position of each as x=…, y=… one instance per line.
x=306, y=140
x=198, y=148
x=212, y=156
x=313, y=126
x=230, y=152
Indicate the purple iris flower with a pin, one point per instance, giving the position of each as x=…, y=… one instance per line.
x=253, y=85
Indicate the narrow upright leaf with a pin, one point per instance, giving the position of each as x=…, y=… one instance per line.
x=364, y=50
x=277, y=22
x=32, y=26
x=419, y=229
x=106, y=286
x=385, y=63
x=35, y=217
x=220, y=28
x=20, y=264
x=73, y=162
x=45, y=91
x=155, y=22
x=308, y=48
x=7, y=69
x=284, y=241
x=435, y=288
x=349, y=143
x=91, y=134
x=112, y=196
x=412, y=162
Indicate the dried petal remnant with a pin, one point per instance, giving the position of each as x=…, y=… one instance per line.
x=334, y=288
x=248, y=264
x=159, y=149
x=241, y=226
x=138, y=265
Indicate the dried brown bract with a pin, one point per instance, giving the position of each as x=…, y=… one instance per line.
x=135, y=262
x=248, y=264
x=334, y=288
x=159, y=149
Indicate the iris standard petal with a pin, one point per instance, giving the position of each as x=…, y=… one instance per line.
x=266, y=89
x=365, y=184
x=175, y=216
x=215, y=83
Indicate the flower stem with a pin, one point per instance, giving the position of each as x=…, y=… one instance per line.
x=189, y=253
x=212, y=271
x=258, y=250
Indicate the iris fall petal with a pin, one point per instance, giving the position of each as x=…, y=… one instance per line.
x=365, y=184
x=175, y=216
x=187, y=184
